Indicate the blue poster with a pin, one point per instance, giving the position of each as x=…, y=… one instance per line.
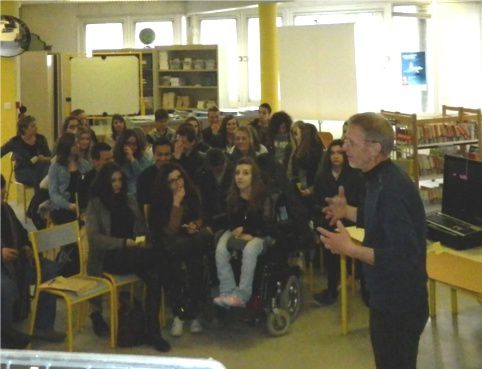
x=414, y=72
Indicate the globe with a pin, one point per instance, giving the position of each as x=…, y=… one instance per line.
x=147, y=36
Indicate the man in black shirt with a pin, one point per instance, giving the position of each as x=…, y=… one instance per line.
x=394, y=249
x=186, y=153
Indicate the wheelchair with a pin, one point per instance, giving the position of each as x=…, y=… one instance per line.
x=276, y=297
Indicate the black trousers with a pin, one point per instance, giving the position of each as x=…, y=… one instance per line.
x=395, y=337
x=186, y=287
x=147, y=264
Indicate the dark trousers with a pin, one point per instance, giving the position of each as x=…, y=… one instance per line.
x=147, y=264
x=186, y=286
x=395, y=337
x=332, y=265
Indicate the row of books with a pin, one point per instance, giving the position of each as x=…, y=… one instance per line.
x=446, y=132
x=430, y=164
x=431, y=195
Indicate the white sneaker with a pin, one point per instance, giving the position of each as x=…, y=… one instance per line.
x=196, y=326
x=177, y=327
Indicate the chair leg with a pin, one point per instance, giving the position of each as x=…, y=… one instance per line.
x=311, y=277
x=113, y=319
x=33, y=316
x=70, y=336
x=163, y=308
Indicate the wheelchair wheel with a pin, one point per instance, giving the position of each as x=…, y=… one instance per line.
x=278, y=322
x=290, y=298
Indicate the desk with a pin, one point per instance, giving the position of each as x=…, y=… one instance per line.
x=457, y=269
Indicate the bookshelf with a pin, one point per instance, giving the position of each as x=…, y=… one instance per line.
x=422, y=141
x=188, y=77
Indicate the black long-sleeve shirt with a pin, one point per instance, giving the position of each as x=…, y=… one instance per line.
x=257, y=223
x=23, y=152
x=394, y=220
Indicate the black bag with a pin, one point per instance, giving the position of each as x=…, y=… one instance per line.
x=132, y=322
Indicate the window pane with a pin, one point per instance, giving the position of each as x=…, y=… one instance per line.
x=223, y=32
x=164, y=33
x=254, y=67
x=102, y=36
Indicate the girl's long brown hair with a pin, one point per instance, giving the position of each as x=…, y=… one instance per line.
x=258, y=189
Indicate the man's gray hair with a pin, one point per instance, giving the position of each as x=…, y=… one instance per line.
x=376, y=128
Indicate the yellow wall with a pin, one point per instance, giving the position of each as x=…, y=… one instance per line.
x=8, y=95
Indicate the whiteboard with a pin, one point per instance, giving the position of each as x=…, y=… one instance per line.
x=317, y=71
x=106, y=85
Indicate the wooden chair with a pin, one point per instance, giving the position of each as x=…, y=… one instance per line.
x=24, y=187
x=326, y=138
x=53, y=239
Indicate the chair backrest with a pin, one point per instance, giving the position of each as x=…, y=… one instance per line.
x=326, y=138
x=55, y=236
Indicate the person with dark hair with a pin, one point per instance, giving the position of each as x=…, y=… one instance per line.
x=71, y=124
x=101, y=153
x=63, y=177
x=245, y=144
x=186, y=152
x=129, y=153
x=22, y=112
x=261, y=123
x=334, y=172
x=393, y=252
x=177, y=228
x=162, y=150
x=17, y=275
x=305, y=159
x=113, y=223
x=213, y=181
x=84, y=122
x=211, y=134
x=117, y=126
x=31, y=153
x=161, y=130
x=228, y=127
x=197, y=125
x=250, y=218
x=278, y=135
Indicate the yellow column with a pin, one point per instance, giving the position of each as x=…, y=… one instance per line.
x=269, y=55
x=8, y=96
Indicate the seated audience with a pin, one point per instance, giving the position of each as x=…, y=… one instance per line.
x=245, y=144
x=30, y=152
x=196, y=124
x=250, y=219
x=17, y=275
x=113, y=223
x=63, y=179
x=162, y=154
x=278, y=135
x=177, y=229
x=84, y=122
x=211, y=134
x=213, y=181
x=161, y=130
x=71, y=124
x=186, y=151
x=129, y=153
x=84, y=143
x=228, y=127
x=117, y=126
x=335, y=171
x=261, y=123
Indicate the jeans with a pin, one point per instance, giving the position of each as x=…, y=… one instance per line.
x=47, y=302
x=227, y=283
x=395, y=337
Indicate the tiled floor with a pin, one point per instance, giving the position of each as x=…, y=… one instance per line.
x=314, y=340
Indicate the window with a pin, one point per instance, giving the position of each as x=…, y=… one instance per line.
x=223, y=32
x=164, y=33
x=254, y=66
x=103, y=36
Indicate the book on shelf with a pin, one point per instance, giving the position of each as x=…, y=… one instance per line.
x=433, y=133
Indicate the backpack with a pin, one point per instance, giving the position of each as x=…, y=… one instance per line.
x=132, y=322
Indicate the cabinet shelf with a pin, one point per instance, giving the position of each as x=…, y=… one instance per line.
x=181, y=87
x=447, y=143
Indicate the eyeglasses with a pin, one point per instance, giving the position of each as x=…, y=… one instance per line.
x=175, y=180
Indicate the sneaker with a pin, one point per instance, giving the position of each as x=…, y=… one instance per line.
x=196, y=326
x=159, y=343
x=49, y=335
x=325, y=298
x=234, y=301
x=100, y=327
x=177, y=327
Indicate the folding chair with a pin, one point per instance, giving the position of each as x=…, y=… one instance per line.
x=53, y=239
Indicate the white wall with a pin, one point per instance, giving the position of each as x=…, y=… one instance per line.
x=458, y=54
